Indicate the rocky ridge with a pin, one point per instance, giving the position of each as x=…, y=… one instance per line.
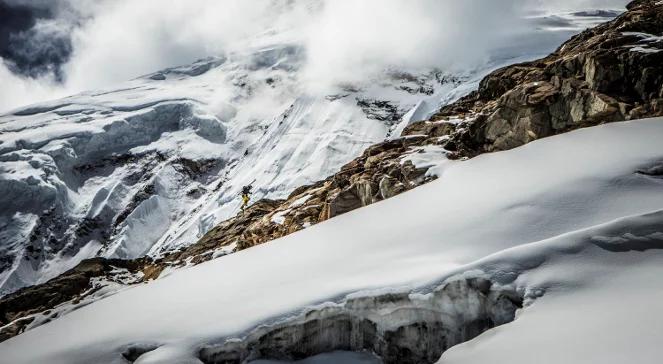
x=610, y=73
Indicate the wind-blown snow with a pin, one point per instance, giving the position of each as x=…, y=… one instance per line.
x=571, y=221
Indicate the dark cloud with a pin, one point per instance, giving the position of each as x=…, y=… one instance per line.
x=34, y=39
x=17, y=18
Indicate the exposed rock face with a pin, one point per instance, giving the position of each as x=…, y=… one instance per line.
x=378, y=174
x=610, y=73
x=613, y=72
x=227, y=233
x=397, y=327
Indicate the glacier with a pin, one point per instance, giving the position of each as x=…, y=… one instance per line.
x=550, y=252
x=153, y=165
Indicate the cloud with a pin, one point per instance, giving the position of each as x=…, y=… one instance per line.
x=16, y=90
x=353, y=39
x=131, y=38
x=34, y=36
x=66, y=46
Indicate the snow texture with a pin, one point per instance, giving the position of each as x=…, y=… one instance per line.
x=573, y=224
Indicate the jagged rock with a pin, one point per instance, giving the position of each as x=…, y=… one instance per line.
x=600, y=75
x=357, y=195
x=430, y=128
x=347, y=200
x=382, y=110
x=228, y=232
x=390, y=187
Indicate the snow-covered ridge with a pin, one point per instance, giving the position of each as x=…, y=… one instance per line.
x=574, y=217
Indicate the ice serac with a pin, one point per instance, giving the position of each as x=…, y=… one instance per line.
x=67, y=177
x=398, y=327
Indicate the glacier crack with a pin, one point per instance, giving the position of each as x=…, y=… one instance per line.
x=397, y=327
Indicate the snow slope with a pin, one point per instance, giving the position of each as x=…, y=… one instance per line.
x=573, y=223
x=612, y=317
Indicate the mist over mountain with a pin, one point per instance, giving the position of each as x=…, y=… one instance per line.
x=54, y=48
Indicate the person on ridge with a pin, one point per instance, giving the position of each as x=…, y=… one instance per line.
x=246, y=195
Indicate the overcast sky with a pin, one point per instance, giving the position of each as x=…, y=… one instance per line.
x=52, y=48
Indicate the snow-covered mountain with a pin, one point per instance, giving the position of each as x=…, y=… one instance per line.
x=151, y=165
x=516, y=217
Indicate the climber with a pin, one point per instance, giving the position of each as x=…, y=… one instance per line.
x=246, y=195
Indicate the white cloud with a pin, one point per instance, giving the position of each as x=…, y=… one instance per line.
x=354, y=38
x=16, y=90
x=130, y=38
x=345, y=40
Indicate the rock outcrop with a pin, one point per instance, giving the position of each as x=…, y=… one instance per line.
x=610, y=73
x=378, y=174
x=70, y=286
x=613, y=72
